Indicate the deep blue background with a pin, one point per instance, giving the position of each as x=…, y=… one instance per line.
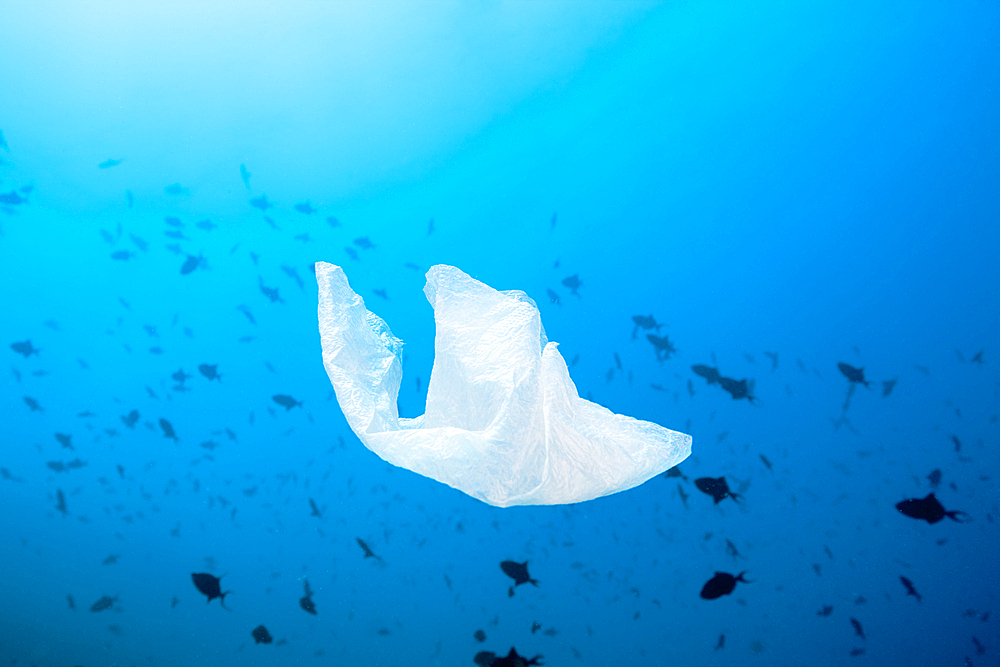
x=820, y=180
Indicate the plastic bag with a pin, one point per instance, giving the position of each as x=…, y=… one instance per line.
x=503, y=421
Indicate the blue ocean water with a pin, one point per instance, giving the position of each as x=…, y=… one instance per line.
x=785, y=187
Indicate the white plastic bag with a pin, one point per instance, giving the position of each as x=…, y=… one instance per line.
x=503, y=420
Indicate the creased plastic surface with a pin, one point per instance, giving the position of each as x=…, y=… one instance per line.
x=503, y=421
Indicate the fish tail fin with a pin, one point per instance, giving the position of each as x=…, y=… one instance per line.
x=739, y=577
x=957, y=516
x=533, y=582
x=222, y=600
x=510, y=592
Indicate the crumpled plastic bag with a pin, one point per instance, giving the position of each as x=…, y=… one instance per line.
x=503, y=421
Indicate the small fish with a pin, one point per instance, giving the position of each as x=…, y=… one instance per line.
x=934, y=478
x=261, y=635
x=306, y=600
x=56, y=466
x=479, y=636
x=175, y=190
x=957, y=443
x=270, y=292
x=766, y=462
x=684, y=496
x=25, y=348
x=977, y=358
x=61, y=502
x=645, y=322
x=107, y=164
x=111, y=560
x=519, y=573
x=718, y=488
x=305, y=207
x=12, y=198
x=825, y=611
x=70, y=602
x=180, y=376
x=856, y=375
x=721, y=643
x=192, y=263
x=382, y=293
x=512, y=659
x=130, y=198
x=554, y=298
x=858, y=630
x=929, y=509
x=206, y=224
x=210, y=371
x=121, y=255
x=168, y=430
x=3, y=142
x=33, y=404
x=315, y=510
x=721, y=584
x=245, y=176
x=662, y=346
x=731, y=549
x=65, y=440
x=130, y=419
x=773, y=356
x=573, y=283
x=105, y=602
x=293, y=273
x=368, y=552
x=738, y=388
x=261, y=202
x=285, y=401
x=246, y=311
x=332, y=221
x=351, y=252
x=364, y=243
x=888, y=386
x=209, y=586
x=675, y=472
x=910, y=590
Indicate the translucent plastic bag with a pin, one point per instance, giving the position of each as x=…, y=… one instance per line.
x=503, y=420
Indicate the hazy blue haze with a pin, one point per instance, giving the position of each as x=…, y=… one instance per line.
x=820, y=180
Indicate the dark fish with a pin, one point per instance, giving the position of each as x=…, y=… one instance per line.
x=766, y=462
x=662, y=346
x=107, y=164
x=957, y=443
x=111, y=560
x=351, y=252
x=519, y=573
x=65, y=440
x=273, y=225
x=261, y=202
x=293, y=273
x=175, y=190
x=305, y=207
x=645, y=322
x=206, y=224
x=130, y=198
x=261, y=635
x=7, y=474
x=245, y=176
x=315, y=510
x=61, y=502
x=977, y=358
x=368, y=552
x=168, y=430
x=910, y=590
x=573, y=283
x=69, y=601
x=825, y=611
x=3, y=142
x=270, y=292
x=721, y=584
x=106, y=602
x=382, y=293
x=332, y=221
x=888, y=386
x=858, y=630
x=208, y=585
x=479, y=636
x=191, y=263
x=12, y=198
x=929, y=509
x=209, y=371
x=180, y=376
x=285, y=401
x=737, y=388
x=306, y=600
x=75, y=464
x=430, y=227
x=721, y=643
x=934, y=478
x=675, y=472
x=554, y=298
x=246, y=311
x=364, y=243
x=512, y=659
x=121, y=255
x=853, y=374
x=56, y=466
x=855, y=652
x=131, y=418
x=717, y=487
x=773, y=356
x=24, y=347
x=684, y=496
x=710, y=374
x=731, y=549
